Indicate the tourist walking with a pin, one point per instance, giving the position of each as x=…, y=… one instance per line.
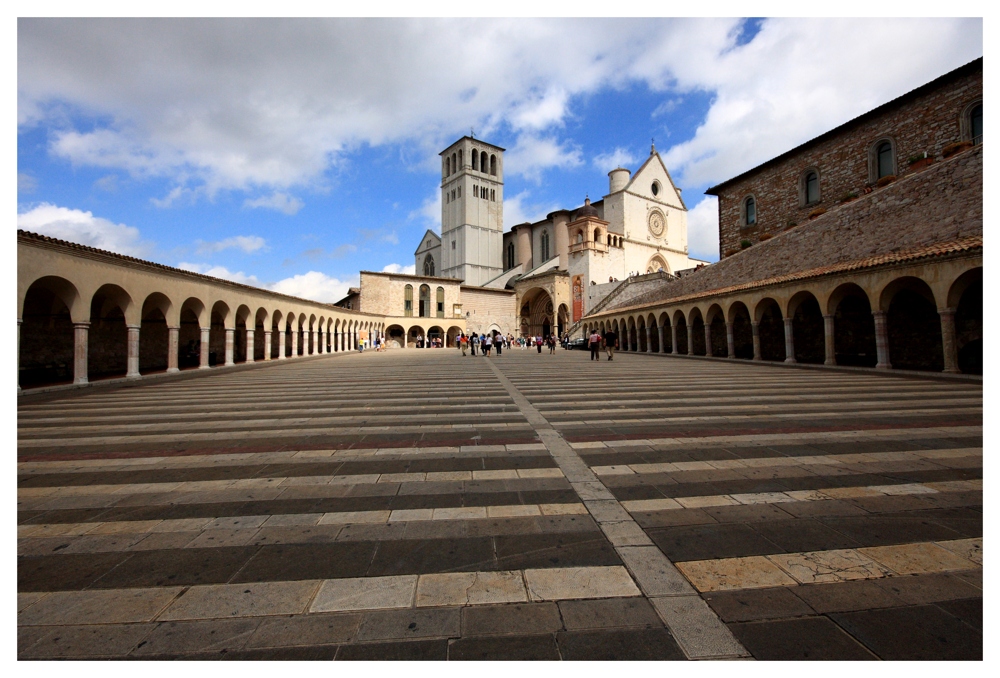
x=538, y=343
x=499, y=344
x=552, y=344
x=595, y=345
x=487, y=345
x=610, y=343
x=463, y=343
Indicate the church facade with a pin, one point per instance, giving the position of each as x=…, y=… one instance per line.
x=561, y=267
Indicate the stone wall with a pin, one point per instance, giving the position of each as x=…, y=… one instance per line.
x=487, y=307
x=942, y=203
x=923, y=123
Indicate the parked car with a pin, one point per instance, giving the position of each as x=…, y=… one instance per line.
x=579, y=344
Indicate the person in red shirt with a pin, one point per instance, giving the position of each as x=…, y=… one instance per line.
x=595, y=345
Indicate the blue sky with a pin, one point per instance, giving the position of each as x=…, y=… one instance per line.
x=292, y=154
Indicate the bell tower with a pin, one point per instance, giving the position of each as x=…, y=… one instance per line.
x=472, y=211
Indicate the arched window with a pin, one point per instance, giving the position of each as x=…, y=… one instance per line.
x=493, y=165
x=976, y=124
x=429, y=265
x=597, y=235
x=810, y=187
x=425, y=301
x=545, y=246
x=440, y=302
x=579, y=237
x=459, y=166
x=475, y=161
x=454, y=163
x=482, y=162
x=447, y=167
x=408, y=301
x=884, y=161
x=510, y=255
x=749, y=211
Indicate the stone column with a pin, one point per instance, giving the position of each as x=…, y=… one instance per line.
x=828, y=341
x=948, y=344
x=524, y=247
x=673, y=338
x=649, y=339
x=19, y=321
x=173, y=346
x=230, y=341
x=203, y=365
x=80, y=333
x=882, y=340
x=730, y=340
x=789, y=342
x=267, y=345
x=690, y=329
x=250, y=346
x=756, y=340
x=708, y=339
x=659, y=335
x=132, y=371
x=560, y=225
x=315, y=347
x=281, y=345
x=319, y=346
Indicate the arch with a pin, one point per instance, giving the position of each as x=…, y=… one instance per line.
x=424, y=303
x=713, y=311
x=748, y=211
x=882, y=159
x=808, y=333
x=537, y=312
x=696, y=322
x=770, y=329
x=738, y=316
x=657, y=263
x=46, y=341
x=913, y=325
x=483, y=162
x=809, y=187
x=240, y=325
x=415, y=337
x=971, y=123
x=220, y=320
x=261, y=324
x=641, y=337
x=475, y=161
x=510, y=256
x=653, y=339
x=454, y=163
x=597, y=235
x=429, y=265
x=111, y=312
x=435, y=334
x=408, y=301
x=452, y=336
x=544, y=246
x=493, y=165
x=154, y=335
x=853, y=326
x=562, y=319
x=966, y=297
x=461, y=164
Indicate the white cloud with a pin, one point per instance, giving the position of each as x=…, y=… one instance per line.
x=796, y=80
x=26, y=183
x=221, y=272
x=83, y=228
x=277, y=201
x=518, y=209
x=703, y=229
x=397, y=268
x=429, y=212
x=532, y=155
x=620, y=157
x=315, y=286
x=245, y=243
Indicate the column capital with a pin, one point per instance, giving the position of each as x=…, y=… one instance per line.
x=828, y=315
x=83, y=325
x=878, y=314
x=134, y=327
x=941, y=311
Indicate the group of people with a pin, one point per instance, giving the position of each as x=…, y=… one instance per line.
x=609, y=342
x=484, y=344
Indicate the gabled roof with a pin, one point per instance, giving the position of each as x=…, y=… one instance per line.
x=423, y=239
x=653, y=154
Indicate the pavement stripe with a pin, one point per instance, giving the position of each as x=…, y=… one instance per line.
x=838, y=565
x=697, y=629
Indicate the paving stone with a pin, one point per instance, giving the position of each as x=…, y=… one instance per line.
x=408, y=624
x=367, y=593
x=414, y=650
x=734, y=573
x=180, y=567
x=305, y=630
x=696, y=628
x=847, y=596
x=702, y=542
x=65, y=573
x=470, y=588
x=912, y=633
x=508, y=648
x=83, y=642
x=930, y=588
x=616, y=645
x=969, y=611
x=242, y=600
x=98, y=607
x=516, y=619
x=917, y=558
x=808, y=638
x=579, y=582
x=655, y=575
x=433, y=555
x=753, y=604
x=197, y=636
x=829, y=566
x=608, y=613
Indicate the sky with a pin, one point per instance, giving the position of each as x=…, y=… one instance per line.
x=292, y=153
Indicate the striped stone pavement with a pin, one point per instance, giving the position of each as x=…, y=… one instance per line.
x=422, y=505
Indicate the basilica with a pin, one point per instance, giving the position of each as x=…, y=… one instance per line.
x=535, y=278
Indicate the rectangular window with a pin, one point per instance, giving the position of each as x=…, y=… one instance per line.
x=475, y=191
x=440, y=309
x=452, y=244
x=459, y=191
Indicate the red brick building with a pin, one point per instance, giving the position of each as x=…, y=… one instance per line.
x=898, y=138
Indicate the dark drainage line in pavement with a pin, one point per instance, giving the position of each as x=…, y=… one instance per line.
x=697, y=629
